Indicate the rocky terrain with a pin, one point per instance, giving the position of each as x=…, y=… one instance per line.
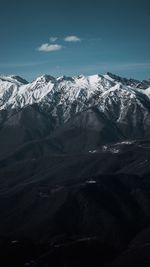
x=74, y=171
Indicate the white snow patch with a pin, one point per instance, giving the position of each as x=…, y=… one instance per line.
x=14, y=241
x=91, y=182
x=110, y=149
x=106, y=76
x=147, y=91
x=126, y=142
x=92, y=151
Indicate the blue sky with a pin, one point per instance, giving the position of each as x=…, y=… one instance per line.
x=92, y=37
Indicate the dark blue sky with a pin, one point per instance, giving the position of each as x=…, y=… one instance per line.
x=114, y=36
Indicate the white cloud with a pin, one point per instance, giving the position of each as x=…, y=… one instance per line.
x=72, y=38
x=53, y=39
x=49, y=47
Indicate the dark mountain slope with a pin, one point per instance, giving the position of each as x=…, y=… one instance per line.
x=20, y=127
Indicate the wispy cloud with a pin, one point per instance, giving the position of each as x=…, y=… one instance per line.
x=131, y=66
x=21, y=65
x=53, y=39
x=49, y=47
x=72, y=38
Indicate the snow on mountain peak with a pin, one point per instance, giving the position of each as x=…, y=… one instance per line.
x=44, y=79
x=106, y=76
x=147, y=91
x=13, y=79
x=82, y=90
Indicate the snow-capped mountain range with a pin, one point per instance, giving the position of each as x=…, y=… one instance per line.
x=66, y=96
x=16, y=92
x=104, y=108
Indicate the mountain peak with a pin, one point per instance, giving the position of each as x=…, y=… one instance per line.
x=65, y=78
x=45, y=78
x=13, y=79
x=19, y=79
